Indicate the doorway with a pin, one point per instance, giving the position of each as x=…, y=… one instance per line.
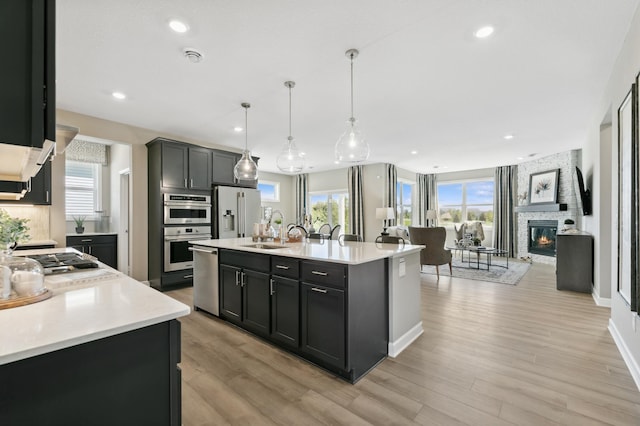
x=124, y=264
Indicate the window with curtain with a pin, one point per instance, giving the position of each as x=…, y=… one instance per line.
x=331, y=208
x=404, y=193
x=466, y=201
x=82, y=189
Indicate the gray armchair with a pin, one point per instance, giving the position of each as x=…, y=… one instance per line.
x=434, y=253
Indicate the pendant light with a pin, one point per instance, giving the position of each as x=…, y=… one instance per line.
x=290, y=160
x=246, y=168
x=351, y=146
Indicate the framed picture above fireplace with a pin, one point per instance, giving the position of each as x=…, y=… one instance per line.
x=543, y=187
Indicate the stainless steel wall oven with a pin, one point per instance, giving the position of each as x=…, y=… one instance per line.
x=177, y=255
x=180, y=209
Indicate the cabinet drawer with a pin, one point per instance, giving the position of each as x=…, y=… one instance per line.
x=285, y=267
x=330, y=274
x=86, y=240
x=242, y=259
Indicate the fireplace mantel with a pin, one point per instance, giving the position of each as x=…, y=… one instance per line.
x=542, y=208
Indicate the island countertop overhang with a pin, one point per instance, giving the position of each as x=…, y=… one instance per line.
x=350, y=252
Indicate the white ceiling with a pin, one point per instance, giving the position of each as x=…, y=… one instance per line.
x=422, y=81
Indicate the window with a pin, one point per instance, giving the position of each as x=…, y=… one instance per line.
x=82, y=189
x=466, y=201
x=404, y=191
x=269, y=191
x=331, y=208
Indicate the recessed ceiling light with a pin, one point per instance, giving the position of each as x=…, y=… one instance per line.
x=336, y=162
x=484, y=32
x=238, y=129
x=414, y=152
x=302, y=154
x=520, y=158
x=508, y=137
x=178, y=26
x=119, y=95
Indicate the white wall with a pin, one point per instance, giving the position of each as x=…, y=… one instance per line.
x=624, y=324
x=120, y=160
x=287, y=203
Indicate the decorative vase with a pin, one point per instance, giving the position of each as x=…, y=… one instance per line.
x=79, y=229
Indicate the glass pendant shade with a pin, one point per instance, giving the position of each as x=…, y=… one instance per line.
x=246, y=168
x=290, y=159
x=351, y=146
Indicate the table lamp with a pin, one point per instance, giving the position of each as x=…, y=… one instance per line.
x=384, y=213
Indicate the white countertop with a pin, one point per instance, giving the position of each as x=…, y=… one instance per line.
x=85, y=306
x=328, y=250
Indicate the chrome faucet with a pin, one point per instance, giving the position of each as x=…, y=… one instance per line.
x=283, y=229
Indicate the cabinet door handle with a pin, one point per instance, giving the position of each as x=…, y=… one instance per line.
x=322, y=274
x=89, y=249
x=282, y=267
x=191, y=183
x=188, y=276
x=47, y=196
x=242, y=275
x=271, y=287
x=185, y=184
x=87, y=241
x=318, y=290
x=237, y=277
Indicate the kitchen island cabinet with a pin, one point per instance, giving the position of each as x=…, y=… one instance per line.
x=332, y=304
x=103, y=349
x=103, y=247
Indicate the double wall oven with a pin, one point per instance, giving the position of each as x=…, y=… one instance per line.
x=187, y=217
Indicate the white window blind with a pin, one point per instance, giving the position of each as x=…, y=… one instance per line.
x=81, y=189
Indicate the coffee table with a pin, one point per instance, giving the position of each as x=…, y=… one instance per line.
x=488, y=251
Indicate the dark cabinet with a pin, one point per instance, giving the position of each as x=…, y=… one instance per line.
x=27, y=76
x=285, y=310
x=185, y=167
x=574, y=262
x=323, y=323
x=222, y=167
x=103, y=247
x=38, y=188
x=244, y=297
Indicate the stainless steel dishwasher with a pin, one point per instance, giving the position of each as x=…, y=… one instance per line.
x=205, y=279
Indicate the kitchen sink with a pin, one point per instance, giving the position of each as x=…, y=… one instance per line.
x=264, y=246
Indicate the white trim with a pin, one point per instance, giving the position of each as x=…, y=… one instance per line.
x=605, y=302
x=394, y=348
x=627, y=355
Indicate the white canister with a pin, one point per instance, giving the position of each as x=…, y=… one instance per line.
x=27, y=283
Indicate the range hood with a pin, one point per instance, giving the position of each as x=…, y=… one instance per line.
x=20, y=163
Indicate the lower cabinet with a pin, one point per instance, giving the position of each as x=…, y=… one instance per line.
x=103, y=247
x=285, y=311
x=323, y=323
x=129, y=378
x=334, y=315
x=244, y=298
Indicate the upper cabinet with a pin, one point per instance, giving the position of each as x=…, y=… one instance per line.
x=185, y=166
x=38, y=188
x=27, y=75
x=179, y=165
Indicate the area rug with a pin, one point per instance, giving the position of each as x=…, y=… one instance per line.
x=496, y=274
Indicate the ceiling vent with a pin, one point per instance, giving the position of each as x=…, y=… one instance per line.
x=193, y=55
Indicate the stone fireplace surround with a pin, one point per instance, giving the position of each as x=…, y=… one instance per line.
x=566, y=162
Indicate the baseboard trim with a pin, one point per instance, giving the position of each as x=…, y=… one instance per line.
x=632, y=365
x=405, y=340
x=605, y=302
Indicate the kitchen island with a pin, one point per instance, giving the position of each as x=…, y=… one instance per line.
x=343, y=306
x=102, y=350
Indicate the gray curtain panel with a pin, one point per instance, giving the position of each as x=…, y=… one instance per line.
x=427, y=197
x=391, y=191
x=302, y=194
x=87, y=152
x=504, y=218
x=356, y=213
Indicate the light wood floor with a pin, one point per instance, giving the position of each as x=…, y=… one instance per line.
x=491, y=354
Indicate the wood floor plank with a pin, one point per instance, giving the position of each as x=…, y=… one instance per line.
x=491, y=354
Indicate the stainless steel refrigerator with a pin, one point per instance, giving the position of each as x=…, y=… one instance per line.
x=235, y=210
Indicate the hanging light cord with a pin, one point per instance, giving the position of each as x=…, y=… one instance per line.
x=246, y=127
x=290, y=137
x=351, y=85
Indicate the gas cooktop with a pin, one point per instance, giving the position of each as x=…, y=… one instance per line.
x=63, y=262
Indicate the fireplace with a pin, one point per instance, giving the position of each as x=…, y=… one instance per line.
x=542, y=237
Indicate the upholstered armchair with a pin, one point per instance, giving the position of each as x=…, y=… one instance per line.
x=434, y=252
